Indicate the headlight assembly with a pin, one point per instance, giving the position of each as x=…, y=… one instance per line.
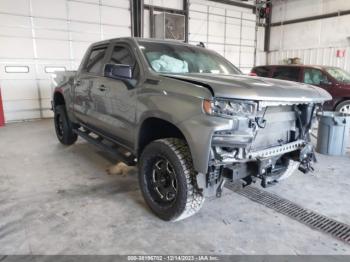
x=229, y=108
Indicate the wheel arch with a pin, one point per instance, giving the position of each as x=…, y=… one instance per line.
x=344, y=99
x=153, y=128
x=58, y=99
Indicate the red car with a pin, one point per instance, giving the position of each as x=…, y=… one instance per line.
x=333, y=79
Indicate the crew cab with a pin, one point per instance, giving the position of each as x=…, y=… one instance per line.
x=187, y=117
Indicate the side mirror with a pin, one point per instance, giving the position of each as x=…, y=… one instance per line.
x=118, y=71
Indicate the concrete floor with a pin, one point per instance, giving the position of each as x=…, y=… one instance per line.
x=59, y=200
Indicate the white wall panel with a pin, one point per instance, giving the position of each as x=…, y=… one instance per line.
x=49, y=8
x=115, y=31
x=109, y=16
x=14, y=20
x=84, y=12
x=84, y=27
x=176, y=4
x=37, y=34
x=315, y=42
x=54, y=24
x=78, y=50
x=120, y=3
x=21, y=7
x=52, y=49
x=51, y=34
x=14, y=47
x=314, y=56
x=286, y=10
x=16, y=32
x=226, y=29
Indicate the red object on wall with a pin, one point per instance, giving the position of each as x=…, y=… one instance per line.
x=340, y=53
x=2, y=116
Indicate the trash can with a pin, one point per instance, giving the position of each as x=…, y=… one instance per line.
x=333, y=133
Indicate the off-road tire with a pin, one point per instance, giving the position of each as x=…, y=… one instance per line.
x=63, y=126
x=343, y=105
x=188, y=199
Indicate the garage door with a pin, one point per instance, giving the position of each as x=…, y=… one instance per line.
x=38, y=37
x=226, y=29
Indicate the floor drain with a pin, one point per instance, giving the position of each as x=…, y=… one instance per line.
x=308, y=217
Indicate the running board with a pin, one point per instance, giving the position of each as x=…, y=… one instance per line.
x=128, y=159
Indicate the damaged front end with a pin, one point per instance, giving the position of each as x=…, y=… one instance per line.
x=268, y=141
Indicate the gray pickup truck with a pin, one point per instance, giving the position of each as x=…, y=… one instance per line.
x=188, y=117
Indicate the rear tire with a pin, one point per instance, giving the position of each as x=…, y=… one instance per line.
x=167, y=179
x=63, y=126
x=343, y=107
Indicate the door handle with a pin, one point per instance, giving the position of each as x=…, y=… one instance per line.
x=102, y=88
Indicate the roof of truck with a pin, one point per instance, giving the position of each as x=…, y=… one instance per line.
x=153, y=40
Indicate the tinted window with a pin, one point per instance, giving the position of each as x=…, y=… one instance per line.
x=95, y=62
x=262, y=71
x=122, y=55
x=314, y=76
x=287, y=73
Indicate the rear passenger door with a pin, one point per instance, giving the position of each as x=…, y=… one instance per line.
x=287, y=73
x=88, y=102
x=120, y=97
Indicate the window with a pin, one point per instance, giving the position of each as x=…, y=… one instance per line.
x=262, y=71
x=339, y=74
x=314, y=77
x=16, y=69
x=122, y=55
x=51, y=69
x=182, y=59
x=95, y=62
x=287, y=73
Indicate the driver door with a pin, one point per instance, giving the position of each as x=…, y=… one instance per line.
x=120, y=98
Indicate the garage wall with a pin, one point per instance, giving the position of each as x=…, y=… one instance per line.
x=227, y=29
x=315, y=42
x=40, y=36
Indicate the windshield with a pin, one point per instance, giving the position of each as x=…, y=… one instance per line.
x=339, y=74
x=182, y=59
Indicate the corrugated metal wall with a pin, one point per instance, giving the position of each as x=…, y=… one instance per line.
x=40, y=36
x=316, y=41
x=313, y=56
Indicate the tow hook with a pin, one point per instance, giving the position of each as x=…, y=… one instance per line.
x=305, y=164
x=268, y=181
x=307, y=156
x=220, y=187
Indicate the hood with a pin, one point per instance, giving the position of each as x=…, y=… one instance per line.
x=256, y=88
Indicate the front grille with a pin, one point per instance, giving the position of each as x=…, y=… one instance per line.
x=280, y=121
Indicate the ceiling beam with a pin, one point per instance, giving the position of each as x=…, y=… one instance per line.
x=234, y=3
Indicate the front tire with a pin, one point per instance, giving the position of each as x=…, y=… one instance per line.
x=167, y=179
x=63, y=126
